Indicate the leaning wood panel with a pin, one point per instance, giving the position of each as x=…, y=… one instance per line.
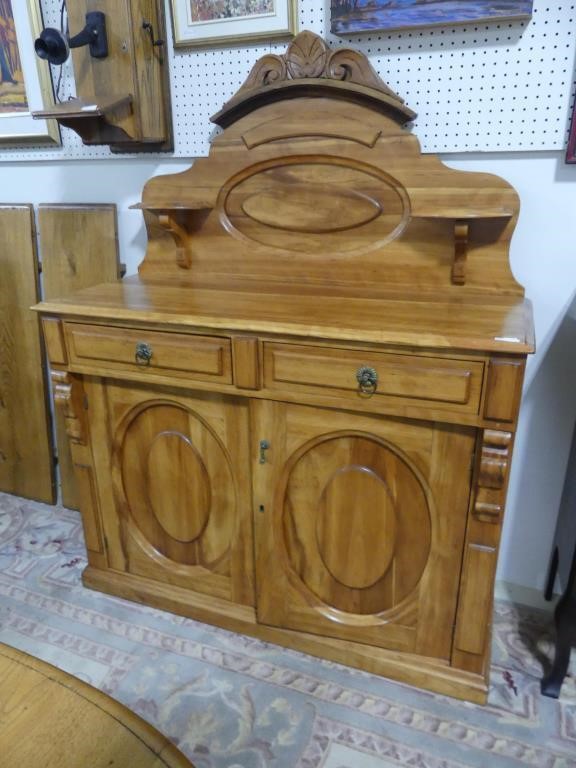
x=26, y=456
x=79, y=247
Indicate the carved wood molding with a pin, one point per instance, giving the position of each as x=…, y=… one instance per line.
x=67, y=398
x=495, y=458
x=310, y=64
x=308, y=56
x=495, y=455
x=461, y=234
x=180, y=237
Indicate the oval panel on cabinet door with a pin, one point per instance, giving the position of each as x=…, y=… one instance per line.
x=356, y=539
x=178, y=486
x=350, y=511
x=173, y=463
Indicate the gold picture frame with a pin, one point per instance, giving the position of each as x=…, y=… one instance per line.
x=25, y=80
x=228, y=22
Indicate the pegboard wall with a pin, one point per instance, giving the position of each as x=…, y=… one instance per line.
x=498, y=86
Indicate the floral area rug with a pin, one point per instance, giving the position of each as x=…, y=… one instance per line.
x=229, y=701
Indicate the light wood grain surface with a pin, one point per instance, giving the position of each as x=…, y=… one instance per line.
x=26, y=454
x=311, y=524
x=49, y=719
x=499, y=324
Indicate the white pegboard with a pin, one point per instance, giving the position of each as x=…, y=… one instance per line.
x=498, y=86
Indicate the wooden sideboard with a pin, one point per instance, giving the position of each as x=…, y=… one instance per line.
x=297, y=421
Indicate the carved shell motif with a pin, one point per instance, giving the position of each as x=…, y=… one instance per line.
x=308, y=56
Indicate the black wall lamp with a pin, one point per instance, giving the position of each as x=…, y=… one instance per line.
x=54, y=46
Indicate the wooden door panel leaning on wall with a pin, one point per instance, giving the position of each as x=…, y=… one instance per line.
x=79, y=248
x=26, y=457
x=297, y=422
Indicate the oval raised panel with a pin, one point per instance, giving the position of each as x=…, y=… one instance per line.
x=356, y=527
x=312, y=205
x=178, y=486
x=349, y=512
x=311, y=208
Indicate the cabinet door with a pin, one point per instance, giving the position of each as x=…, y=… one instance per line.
x=179, y=507
x=360, y=525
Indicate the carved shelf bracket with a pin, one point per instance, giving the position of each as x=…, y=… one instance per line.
x=180, y=222
x=461, y=234
x=67, y=397
x=495, y=456
x=180, y=236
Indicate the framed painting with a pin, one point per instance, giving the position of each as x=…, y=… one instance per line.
x=25, y=81
x=352, y=16
x=212, y=22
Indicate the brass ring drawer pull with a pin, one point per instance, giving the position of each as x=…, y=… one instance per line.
x=367, y=379
x=143, y=353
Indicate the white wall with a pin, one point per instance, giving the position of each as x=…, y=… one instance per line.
x=117, y=181
x=543, y=259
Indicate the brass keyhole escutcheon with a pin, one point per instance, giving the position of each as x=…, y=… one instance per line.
x=143, y=353
x=367, y=379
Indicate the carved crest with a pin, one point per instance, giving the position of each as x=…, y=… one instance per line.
x=308, y=56
x=310, y=64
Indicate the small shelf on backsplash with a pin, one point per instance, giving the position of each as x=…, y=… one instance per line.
x=179, y=221
x=462, y=217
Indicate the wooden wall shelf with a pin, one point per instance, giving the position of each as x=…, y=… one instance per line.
x=139, y=119
x=91, y=121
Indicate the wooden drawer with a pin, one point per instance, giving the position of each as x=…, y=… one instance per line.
x=108, y=350
x=402, y=379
